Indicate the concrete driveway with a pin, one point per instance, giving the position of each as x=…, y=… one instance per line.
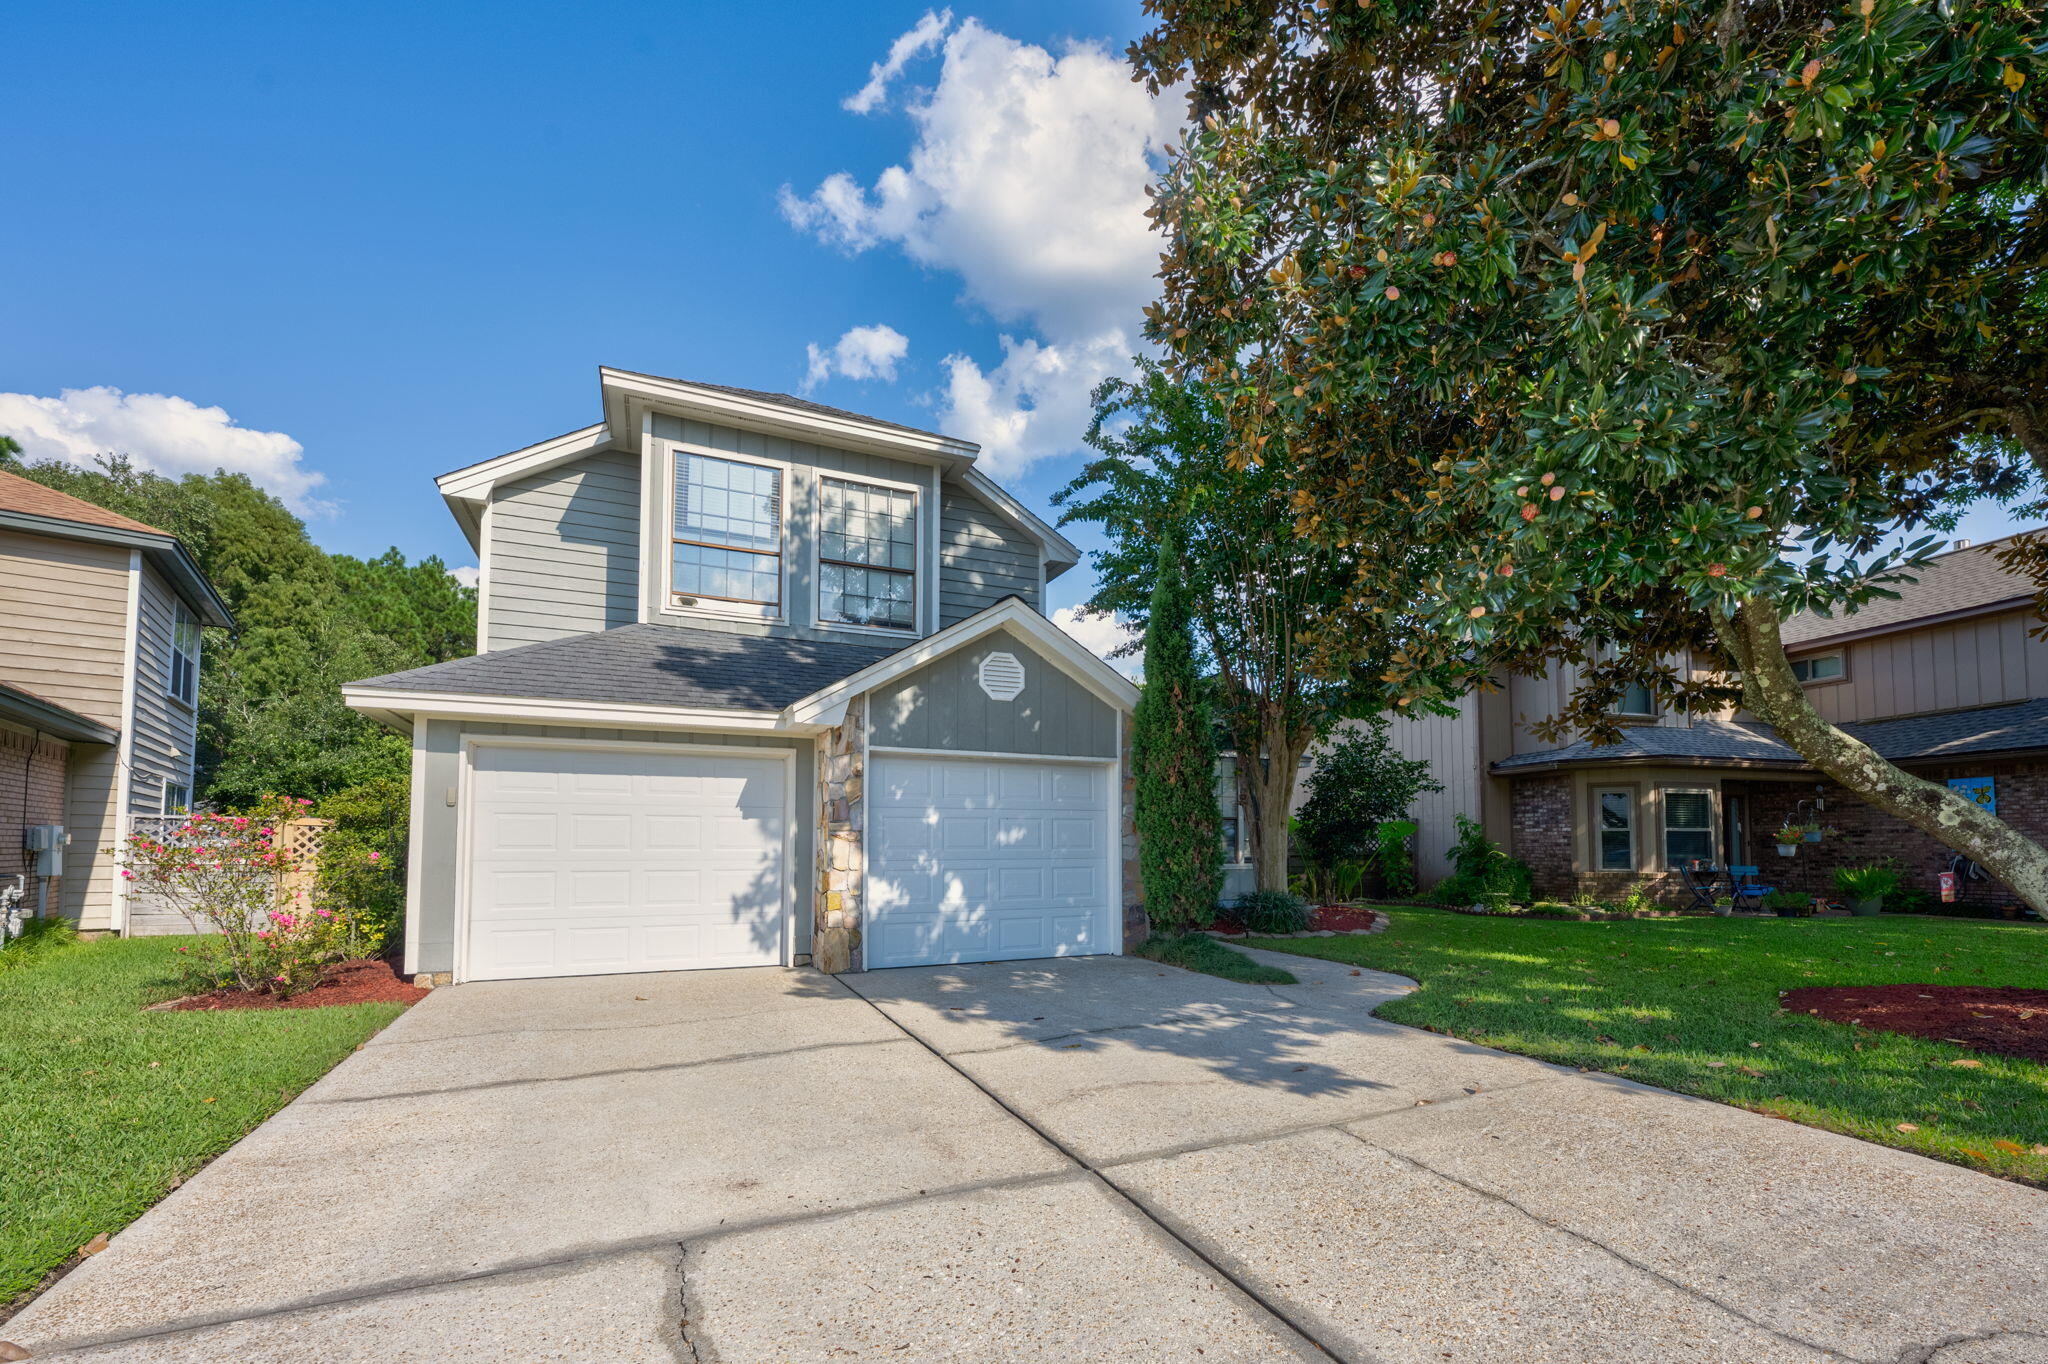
x=1095, y=1159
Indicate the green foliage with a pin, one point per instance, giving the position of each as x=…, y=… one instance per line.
x=1481, y=871
x=1867, y=883
x=1271, y=911
x=1396, y=862
x=1200, y=952
x=270, y=711
x=39, y=938
x=1173, y=751
x=1787, y=899
x=363, y=856
x=1679, y=1003
x=1358, y=783
x=1639, y=901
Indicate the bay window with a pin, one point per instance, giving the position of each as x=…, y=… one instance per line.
x=1615, y=829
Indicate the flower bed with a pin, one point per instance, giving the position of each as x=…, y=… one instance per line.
x=1323, y=919
x=2003, y=1019
x=347, y=982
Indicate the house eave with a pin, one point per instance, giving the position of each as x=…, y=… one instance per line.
x=625, y=393
x=389, y=705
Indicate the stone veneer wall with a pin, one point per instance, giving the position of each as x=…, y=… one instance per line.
x=842, y=861
x=31, y=792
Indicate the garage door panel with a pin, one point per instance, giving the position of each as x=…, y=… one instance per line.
x=589, y=861
x=977, y=860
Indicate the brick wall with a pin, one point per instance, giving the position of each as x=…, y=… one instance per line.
x=1869, y=835
x=31, y=792
x=1541, y=822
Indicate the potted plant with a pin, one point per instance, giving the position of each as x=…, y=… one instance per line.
x=1792, y=833
x=1786, y=904
x=1866, y=887
x=1724, y=905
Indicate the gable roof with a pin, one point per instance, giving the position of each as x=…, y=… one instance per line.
x=792, y=402
x=1961, y=582
x=32, y=508
x=2015, y=727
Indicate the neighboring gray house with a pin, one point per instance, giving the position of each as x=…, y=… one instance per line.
x=759, y=682
x=99, y=687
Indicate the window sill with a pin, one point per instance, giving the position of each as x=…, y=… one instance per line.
x=879, y=631
x=771, y=615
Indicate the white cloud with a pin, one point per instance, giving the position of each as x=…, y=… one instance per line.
x=863, y=353
x=1027, y=180
x=465, y=576
x=167, y=434
x=922, y=37
x=1100, y=635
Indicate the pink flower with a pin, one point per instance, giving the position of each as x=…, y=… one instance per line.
x=375, y=856
x=262, y=933
x=324, y=913
x=129, y=874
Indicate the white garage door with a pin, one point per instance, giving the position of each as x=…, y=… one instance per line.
x=971, y=859
x=590, y=860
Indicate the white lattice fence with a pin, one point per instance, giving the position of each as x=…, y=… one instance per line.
x=152, y=916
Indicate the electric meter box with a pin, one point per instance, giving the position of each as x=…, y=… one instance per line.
x=47, y=842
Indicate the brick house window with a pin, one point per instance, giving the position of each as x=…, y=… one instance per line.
x=1688, y=827
x=1616, y=811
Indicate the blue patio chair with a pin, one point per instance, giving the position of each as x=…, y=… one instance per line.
x=1703, y=879
x=1744, y=889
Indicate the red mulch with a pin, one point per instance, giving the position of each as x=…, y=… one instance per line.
x=1335, y=918
x=1995, y=1018
x=347, y=982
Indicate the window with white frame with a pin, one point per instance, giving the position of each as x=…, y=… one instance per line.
x=727, y=538
x=177, y=797
x=867, y=555
x=1819, y=668
x=181, y=678
x=1614, y=813
x=1688, y=827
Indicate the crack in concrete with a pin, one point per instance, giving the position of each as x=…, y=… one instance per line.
x=1676, y=1285
x=1927, y=1354
x=732, y=1059
x=686, y=1348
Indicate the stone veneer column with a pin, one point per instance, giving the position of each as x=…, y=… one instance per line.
x=842, y=861
x=1136, y=925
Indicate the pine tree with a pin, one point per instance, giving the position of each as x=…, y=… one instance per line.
x=1173, y=747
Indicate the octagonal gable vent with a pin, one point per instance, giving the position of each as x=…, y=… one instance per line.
x=1002, y=676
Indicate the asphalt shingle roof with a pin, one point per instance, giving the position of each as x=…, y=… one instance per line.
x=791, y=400
x=1960, y=580
x=18, y=494
x=658, y=665
x=2019, y=725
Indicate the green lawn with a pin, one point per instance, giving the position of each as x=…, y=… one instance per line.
x=105, y=1107
x=1662, y=1000
x=1200, y=952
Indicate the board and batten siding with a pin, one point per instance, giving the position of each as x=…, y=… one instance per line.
x=438, y=831
x=166, y=730
x=1450, y=745
x=807, y=464
x=1980, y=662
x=66, y=607
x=982, y=559
x=942, y=706
x=563, y=551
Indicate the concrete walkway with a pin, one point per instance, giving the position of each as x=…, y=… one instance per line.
x=1087, y=1160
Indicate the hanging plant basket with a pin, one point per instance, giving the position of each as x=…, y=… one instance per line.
x=1787, y=849
x=1813, y=835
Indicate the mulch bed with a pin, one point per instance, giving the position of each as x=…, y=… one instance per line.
x=2002, y=1019
x=1322, y=919
x=347, y=982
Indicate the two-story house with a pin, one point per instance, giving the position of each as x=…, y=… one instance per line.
x=759, y=681
x=100, y=620
x=1948, y=681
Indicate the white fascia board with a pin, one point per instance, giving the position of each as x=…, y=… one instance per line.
x=474, y=483
x=622, y=388
x=1061, y=553
x=827, y=707
x=378, y=701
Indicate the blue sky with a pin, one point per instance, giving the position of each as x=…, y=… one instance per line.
x=386, y=240
x=404, y=236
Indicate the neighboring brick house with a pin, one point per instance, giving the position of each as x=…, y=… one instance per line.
x=1946, y=681
x=99, y=673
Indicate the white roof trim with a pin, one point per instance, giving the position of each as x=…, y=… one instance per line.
x=1059, y=549
x=551, y=710
x=476, y=481
x=827, y=707
x=620, y=387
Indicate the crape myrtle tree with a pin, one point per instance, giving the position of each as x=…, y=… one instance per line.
x=1257, y=591
x=1173, y=752
x=1650, y=322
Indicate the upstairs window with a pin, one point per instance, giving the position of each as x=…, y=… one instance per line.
x=1688, y=827
x=1819, y=668
x=177, y=798
x=182, y=678
x=867, y=555
x=728, y=533
x=1636, y=700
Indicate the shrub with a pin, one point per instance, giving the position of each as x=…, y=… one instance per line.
x=1358, y=784
x=1173, y=752
x=1397, y=865
x=1787, y=899
x=1867, y=883
x=39, y=938
x=1639, y=901
x=1271, y=912
x=361, y=872
x=1481, y=869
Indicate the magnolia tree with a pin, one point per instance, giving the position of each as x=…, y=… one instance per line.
x=1617, y=331
x=229, y=875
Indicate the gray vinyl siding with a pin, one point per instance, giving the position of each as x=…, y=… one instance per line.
x=942, y=706
x=982, y=559
x=440, y=834
x=807, y=463
x=562, y=548
x=166, y=729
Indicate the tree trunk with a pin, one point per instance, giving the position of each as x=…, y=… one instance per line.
x=1770, y=691
x=2020, y=421
x=1267, y=779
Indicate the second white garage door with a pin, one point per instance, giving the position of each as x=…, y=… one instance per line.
x=973, y=859
x=587, y=860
